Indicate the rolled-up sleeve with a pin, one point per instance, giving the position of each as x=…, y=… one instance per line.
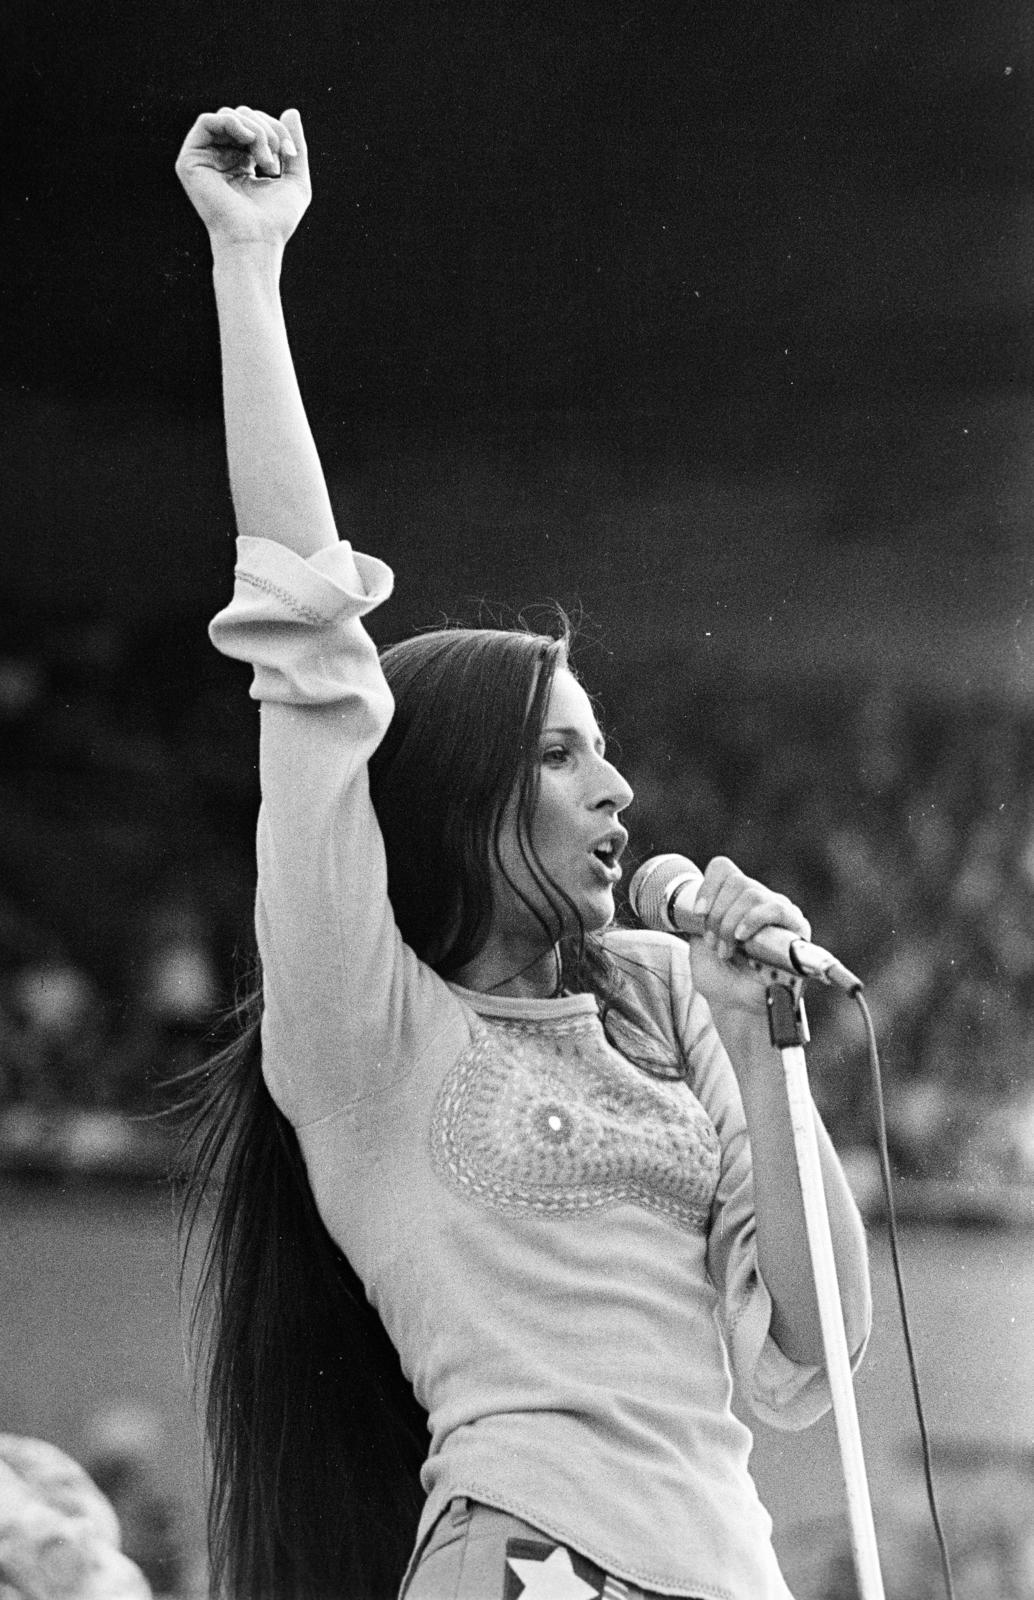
x=290, y=618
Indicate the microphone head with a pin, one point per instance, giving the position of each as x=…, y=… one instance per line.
x=653, y=885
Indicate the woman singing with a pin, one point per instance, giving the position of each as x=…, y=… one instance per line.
x=502, y=1195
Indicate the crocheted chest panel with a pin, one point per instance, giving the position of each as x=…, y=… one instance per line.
x=545, y=1117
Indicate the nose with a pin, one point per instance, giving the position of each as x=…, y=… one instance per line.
x=612, y=792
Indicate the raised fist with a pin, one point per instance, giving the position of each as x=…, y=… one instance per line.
x=247, y=174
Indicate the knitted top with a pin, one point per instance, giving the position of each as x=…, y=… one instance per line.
x=560, y=1245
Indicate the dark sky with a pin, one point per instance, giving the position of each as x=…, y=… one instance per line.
x=567, y=265
x=536, y=205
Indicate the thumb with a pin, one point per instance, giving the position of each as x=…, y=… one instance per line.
x=299, y=163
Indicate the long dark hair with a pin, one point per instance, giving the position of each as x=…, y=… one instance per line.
x=315, y=1438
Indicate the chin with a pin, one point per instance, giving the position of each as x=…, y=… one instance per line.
x=598, y=914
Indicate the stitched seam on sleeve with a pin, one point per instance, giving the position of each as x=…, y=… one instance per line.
x=742, y=1303
x=306, y=612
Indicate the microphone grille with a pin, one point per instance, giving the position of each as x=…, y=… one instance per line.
x=651, y=886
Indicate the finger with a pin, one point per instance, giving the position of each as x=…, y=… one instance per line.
x=719, y=896
x=773, y=911
x=279, y=135
x=213, y=130
x=267, y=141
x=285, y=143
x=292, y=121
x=715, y=877
x=224, y=127
x=297, y=160
x=737, y=912
x=275, y=130
x=278, y=129
x=723, y=884
x=266, y=146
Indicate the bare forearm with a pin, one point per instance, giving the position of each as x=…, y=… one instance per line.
x=782, y=1242
x=276, y=480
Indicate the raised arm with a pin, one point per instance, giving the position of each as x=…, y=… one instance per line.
x=346, y=1006
x=247, y=175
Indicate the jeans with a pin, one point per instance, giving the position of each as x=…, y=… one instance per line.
x=476, y=1553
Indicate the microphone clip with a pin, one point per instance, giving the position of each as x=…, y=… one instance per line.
x=787, y=1018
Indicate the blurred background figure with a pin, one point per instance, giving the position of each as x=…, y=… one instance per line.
x=62, y=1034
x=124, y=1453
x=59, y=1536
x=180, y=987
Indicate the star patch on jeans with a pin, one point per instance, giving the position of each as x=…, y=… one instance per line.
x=537, y=1570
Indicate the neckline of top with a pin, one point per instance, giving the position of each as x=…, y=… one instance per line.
x=525, y=1007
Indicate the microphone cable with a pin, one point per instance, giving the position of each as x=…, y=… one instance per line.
x=892, y=1233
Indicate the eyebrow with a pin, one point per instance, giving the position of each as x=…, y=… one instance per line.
x=599, y=743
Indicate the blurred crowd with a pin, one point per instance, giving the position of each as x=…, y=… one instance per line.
x=127, y=803
x=903, y=822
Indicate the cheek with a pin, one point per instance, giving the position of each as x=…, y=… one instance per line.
x=550, y=823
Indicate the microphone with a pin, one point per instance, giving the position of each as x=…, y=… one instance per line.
x=664, y=891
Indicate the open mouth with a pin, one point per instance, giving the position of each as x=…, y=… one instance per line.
x=606, y=856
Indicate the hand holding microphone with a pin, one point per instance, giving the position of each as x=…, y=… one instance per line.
x=665, y=894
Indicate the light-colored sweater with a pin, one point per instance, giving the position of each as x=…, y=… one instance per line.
x=561, y=1246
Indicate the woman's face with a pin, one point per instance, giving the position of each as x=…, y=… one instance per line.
x=575, y=831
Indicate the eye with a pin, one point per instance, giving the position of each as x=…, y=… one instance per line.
x=555, y=755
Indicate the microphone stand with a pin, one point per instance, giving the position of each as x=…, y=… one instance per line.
x=788, y=1028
